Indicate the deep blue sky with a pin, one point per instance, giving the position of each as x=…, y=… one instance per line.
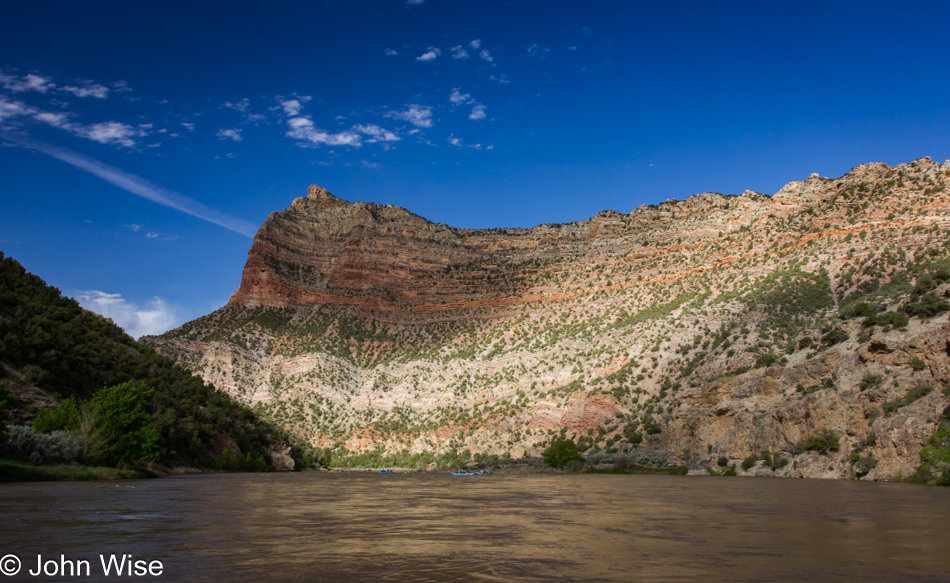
x=471, y=113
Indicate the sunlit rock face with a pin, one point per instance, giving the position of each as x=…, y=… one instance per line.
x=718, y=326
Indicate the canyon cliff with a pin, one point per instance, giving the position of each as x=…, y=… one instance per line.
x=807, y=328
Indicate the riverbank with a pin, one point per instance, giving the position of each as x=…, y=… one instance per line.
x=14, y=471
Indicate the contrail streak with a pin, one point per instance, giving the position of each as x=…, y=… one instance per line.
x=137, y=186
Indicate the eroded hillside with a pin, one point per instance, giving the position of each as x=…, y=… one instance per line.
x=718, y=326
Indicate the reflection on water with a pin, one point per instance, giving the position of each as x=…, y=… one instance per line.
x=367, y=527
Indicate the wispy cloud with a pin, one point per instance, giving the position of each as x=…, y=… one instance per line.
x=486, y=56
x=303, y=129
x=457, y=97
x=415, y=2
x=13, y=109
x=88, y=89
x=503, y=79
x=390, y=52
x=292, y=107
x=241, y=105
x=478, y=112
x=230, y=134
x=156, y=317
x=160, y=236
x=30, y=82
x=475, y=44
x=537, y=51
x=459, y=52
x=137, y=186
x=376, y=133
x=417, y=115
x=430, y=55
x=109, y=132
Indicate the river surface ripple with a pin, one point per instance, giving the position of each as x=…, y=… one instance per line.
x=317, y=526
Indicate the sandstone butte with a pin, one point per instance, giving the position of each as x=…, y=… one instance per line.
x=714, y=327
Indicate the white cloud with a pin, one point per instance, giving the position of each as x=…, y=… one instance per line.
x=121, y=87
x=417, y=115
x=11, y=109
x=478, y=112
x=503, y=79
x=458, y=97
x=455, y=141
x=230, y=134
x=390, y=52
x=414, y=2
x=133, y=227
x=88, y=89
x=376, y=133
x=138, y=186
x=485, y=55
x=155, y=317
x=475, y=44
x=160, y=236
x=110, y=132
x=537, y=51
x=292, y=107
x=370, y=164
x=572, y=48
x=302, y=128
x=430, y=55
x=30, y=82
x=238, y=106
x=255, y=117
x=57, y=120
x=459, y=52
x=188, y=126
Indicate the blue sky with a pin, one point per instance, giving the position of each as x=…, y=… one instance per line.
x=141, y=144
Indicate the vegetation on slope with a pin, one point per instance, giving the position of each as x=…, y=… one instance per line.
x=109, y=387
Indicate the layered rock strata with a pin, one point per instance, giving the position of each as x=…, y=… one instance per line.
x=718, y=326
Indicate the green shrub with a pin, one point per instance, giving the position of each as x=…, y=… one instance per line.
x=58, y=447
x=859, y=310
x=824, y=442
x=895, y=319
x=778, y=462
x=833, y=337
x=766, y=360
x=124, y=418
x=6, y=402
x=928, y=306
x=917, y=364
x=911, y=396
x=63, y=418
x=870, y=380
x=723, y=461
x=749, y=461
x=561, y=452
x=863, y=465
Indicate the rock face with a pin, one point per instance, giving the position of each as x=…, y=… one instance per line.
x=718, y=326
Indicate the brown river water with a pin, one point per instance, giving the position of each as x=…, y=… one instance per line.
x=315, y=526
